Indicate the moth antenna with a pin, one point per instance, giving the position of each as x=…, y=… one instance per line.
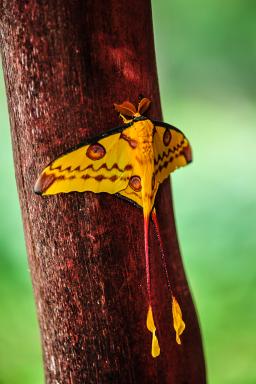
x=143, y=105
x=178, y=323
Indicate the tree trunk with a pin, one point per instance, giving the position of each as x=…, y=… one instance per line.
x=65, y=64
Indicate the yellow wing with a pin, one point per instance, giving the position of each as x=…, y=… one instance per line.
x=133, y=196
x=103, y=165
x=171, y=150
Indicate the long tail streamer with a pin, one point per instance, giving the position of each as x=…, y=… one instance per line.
x=155, y=349
x=178, y=323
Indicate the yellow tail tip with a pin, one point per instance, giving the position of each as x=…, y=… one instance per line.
x=155, y=348
x=178, y=323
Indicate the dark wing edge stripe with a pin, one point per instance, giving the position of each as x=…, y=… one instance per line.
x=93, y=140
x=166, y=125
x=122, y=197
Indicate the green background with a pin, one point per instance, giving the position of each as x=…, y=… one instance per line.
x=206, y=53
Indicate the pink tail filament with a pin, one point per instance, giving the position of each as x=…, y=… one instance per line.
x=163, y=255
x=178, y=323
x=146, y=221
x=155, y=349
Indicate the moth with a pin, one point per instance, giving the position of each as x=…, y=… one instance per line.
x=130, y=161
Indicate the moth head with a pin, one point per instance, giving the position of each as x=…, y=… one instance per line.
x=128, y=110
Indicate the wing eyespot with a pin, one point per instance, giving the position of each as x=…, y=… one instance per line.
x=95, y=151
x=167, y=136
x=135, y=183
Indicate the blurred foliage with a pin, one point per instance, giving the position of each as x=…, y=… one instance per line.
x=206, y=53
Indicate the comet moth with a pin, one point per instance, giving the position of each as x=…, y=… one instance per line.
x=130, y=161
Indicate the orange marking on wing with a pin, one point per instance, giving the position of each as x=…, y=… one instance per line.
x=187, y=153
x=99, y=178
x=170, y=150
x=44, y=182
x=128, y=167
x=133, y=143
x=150, y=195
x=139, y=160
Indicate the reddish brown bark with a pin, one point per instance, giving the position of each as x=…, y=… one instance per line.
x=65, y=64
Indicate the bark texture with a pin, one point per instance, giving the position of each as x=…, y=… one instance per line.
x=65, y=64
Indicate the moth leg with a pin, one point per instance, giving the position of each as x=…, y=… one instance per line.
x=124, y=119
x=178, y=323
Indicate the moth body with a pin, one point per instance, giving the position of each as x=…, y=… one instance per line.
x=141, y=133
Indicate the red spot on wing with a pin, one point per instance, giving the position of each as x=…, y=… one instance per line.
x=95, y=151
x=167, y=137
x=135, y=183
